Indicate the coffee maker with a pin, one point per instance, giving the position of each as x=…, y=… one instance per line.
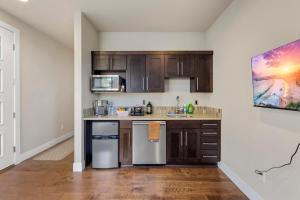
x=100, y=107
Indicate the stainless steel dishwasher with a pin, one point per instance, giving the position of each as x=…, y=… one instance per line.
x=146, y=152
x=105, y=144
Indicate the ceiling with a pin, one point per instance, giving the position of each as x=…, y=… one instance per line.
x=55, y=17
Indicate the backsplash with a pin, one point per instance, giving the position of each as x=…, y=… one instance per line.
x=197, y=110
x=163, y=110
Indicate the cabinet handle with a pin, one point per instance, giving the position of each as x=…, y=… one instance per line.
x=209, y=156
x=209, y=143
x=181, y=138
x=111, y=62
x=209, y=133
x=186, y=140
x=143, y=82
x=210, y=124
x=178, y=68
x=182, y=68
x=129, y=139
x=147, y=83
x=197, y=80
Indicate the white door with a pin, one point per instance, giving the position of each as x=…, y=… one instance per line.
x=6, y=98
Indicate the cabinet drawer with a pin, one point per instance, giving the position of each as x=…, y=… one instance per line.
x=209, y=156
x=125, y=124
x=210, y=124
x=208, y=143
x=185, y=124
x=210, y=132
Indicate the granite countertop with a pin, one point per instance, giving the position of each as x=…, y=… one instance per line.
x=208, y=116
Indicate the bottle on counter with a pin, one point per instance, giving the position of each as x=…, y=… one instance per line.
x=149, y=108
x=190, y=109
x=185, y=111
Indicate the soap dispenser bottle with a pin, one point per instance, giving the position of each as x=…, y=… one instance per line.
x=190, y=109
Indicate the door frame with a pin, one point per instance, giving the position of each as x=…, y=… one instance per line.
x=17, y=93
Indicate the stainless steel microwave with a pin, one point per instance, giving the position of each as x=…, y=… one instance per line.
x=106, y=83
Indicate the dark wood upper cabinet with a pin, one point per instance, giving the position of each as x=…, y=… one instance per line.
x=135, y=73
x=179, y=66
x=203, y=79
x=107, y=62
x=146, y=70
x=118, y=62
x=100, y=62
x=155, y=81
x=172, y=66
x=187, y=66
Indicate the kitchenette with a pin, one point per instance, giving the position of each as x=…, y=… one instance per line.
x=146, y=133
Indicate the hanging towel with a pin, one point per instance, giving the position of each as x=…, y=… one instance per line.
x=154, y=131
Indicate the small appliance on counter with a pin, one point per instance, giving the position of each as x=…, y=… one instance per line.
x=137, y=111
x=107, y=83
x=100, y=107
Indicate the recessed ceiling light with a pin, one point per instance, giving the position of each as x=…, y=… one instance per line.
x=25, y=1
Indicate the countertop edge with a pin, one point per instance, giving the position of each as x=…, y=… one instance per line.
x=141, y=118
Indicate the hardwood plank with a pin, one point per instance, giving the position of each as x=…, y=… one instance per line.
x=55, y=180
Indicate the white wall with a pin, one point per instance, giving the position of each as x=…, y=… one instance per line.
x=255, y=138
x=151, y=41
x=46, y=86
x=85, y=41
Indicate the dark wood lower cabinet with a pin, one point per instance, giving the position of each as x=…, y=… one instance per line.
x=174, y=146
x=193, y=144
x=125, y=141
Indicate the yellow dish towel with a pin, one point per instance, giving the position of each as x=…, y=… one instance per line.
x=154, y=131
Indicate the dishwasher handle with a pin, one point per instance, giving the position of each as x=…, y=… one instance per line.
x=147, y=122
x=105, y=137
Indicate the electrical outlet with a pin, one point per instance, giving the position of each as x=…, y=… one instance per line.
x=144, y=102
x=62, y=127
x=196, y=102
x=264, y=177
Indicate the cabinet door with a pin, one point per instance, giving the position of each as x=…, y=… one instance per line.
x=155, y=81
x=101, y=62
x=135, y=73
x=172, y=66
x=125, y=146
x=192, y=146
x=118, y=62
x=175, y=146
x=187, y=66
x=203, y=81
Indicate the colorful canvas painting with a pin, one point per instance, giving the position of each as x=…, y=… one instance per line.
x=276, y=77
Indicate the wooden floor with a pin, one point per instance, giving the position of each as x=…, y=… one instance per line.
x=54, y=180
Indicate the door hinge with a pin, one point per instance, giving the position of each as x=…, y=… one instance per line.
x=14, y=47
x=14, y=114
x=14, y=149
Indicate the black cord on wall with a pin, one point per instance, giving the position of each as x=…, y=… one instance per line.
x=261, y=172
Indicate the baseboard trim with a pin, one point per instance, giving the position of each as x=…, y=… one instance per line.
x=78, y=166
x=242, y=185
x=31, y=153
